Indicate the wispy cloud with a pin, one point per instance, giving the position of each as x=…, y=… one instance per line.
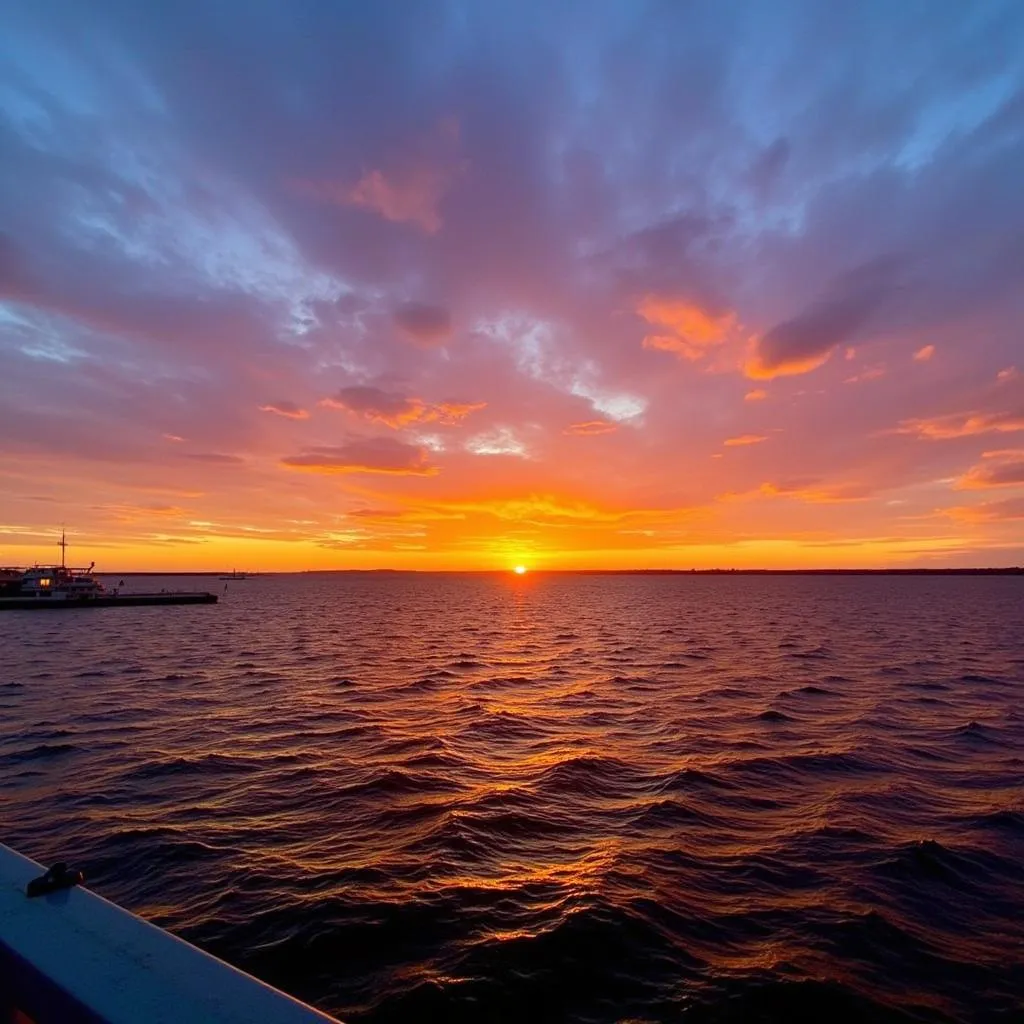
x=499, y=441
x=997, y=469
x=744, y=439
x=965, y=424
x=289, y=410
x=369, y=455
x=591, y=428
x=397, y=410
x=404, y=197
x=1007, y=510
x=685, y=329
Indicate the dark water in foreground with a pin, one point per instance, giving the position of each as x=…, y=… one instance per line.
x=478, y=798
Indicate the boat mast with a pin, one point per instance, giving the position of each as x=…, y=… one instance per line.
x=63, y=548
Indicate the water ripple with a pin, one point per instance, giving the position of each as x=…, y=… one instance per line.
x=474, y=798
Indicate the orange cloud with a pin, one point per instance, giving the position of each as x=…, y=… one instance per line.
x=812, y=492
x=414, y=199
x=415, y=515
x=962, y=424
x=999, y=469
x=217, y=458
x=922, y=355
x=871, y=373
x=410, y=198
x=287, y=409
x=693, y=331
x=1008, y=510
x=377, y=406
x=757, y=395
x=744, y=439
x=758, y=368
x=138, y=513
x=807, y=340
x=591, y=428
x=805, y=489
x=553, y=509
x=449, y=413
x=409, y=194
x=367, y=455
x=395, y=410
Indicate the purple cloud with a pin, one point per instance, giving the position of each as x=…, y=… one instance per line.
x=806, y=341
x=365, y=455
x=287, y=409
x=423, y=323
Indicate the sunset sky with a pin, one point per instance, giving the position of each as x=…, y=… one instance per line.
x=287, y=285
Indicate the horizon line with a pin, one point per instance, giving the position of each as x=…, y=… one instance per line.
x=877, y=571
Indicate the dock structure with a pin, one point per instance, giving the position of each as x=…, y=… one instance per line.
x=105, y=600
x=71, y=957
x=63, y=586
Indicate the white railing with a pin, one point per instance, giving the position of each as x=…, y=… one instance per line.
x=71, y=957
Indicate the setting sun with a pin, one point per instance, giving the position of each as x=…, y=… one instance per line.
x=519, y=570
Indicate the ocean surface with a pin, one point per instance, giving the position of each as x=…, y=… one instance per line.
x=415, y=798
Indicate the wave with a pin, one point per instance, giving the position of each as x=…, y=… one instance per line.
x=810, y=765
x=1006, y=820
x=978, y=732
x=211, y=764
x=501, y=682
x=670, y=813
x=693, y=778
x=395, y=782
x=40, y=752
x=814, y=653
x=929, y=859
x=591, y=775
x=461, y=662
x=590, y=799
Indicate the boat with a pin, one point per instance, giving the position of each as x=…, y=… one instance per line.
x=68, y=956
x=235, y=575
x=62, y=586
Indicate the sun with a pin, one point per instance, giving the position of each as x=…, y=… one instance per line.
x=519, y=570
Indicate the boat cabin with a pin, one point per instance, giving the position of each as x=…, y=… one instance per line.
x=58, y=582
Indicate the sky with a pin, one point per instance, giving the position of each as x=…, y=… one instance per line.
x=450, y=285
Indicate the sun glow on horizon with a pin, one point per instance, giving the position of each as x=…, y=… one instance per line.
x=520, y=570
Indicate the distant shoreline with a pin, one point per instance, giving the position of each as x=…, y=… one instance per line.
x=1005, y=571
